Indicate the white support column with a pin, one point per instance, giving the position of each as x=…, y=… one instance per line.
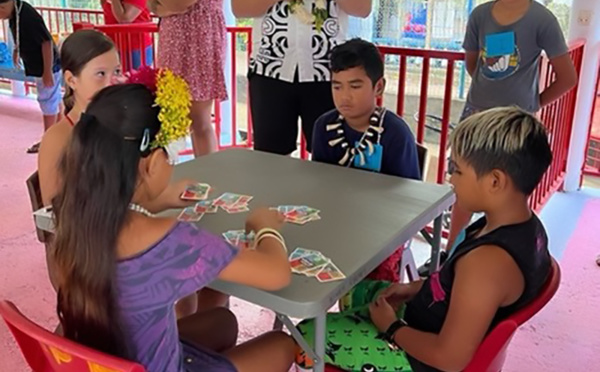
x=589, y=30
x=226, y=106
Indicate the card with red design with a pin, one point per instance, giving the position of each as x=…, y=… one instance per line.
x=198, y=191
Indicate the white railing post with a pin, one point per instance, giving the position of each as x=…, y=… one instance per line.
x=590, y=31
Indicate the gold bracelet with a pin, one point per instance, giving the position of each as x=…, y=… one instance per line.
x=269, y=233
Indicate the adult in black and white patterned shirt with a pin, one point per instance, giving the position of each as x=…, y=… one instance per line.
x=289, y=73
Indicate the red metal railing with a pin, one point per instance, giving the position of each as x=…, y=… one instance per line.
x=558, y=117
x=427, y=55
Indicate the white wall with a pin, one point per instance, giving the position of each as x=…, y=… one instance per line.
x=587, y=85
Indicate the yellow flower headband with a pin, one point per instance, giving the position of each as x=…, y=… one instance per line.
x=174, y=99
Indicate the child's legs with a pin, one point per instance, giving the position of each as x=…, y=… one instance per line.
x=49, y=99
x=214, y=329
x=353, y=343
x=315, y=100
x=209, y=299
x=203, y=133
x=273, y=352
x=203, y=300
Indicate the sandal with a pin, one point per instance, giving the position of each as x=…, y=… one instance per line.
x=34, y=148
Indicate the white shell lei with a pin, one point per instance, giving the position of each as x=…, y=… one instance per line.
x=366, y=142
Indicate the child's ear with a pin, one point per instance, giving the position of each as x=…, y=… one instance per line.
x=380, y=87
x=70, y=79
x=154, y=162
x=498, y=181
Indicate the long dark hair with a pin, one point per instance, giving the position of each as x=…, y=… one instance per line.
x=76, y=51
x=100, y=174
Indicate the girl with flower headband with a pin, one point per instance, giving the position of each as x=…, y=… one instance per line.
x=121, y=268
x=90, y=62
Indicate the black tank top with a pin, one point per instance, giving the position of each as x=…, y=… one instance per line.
x=527, y=244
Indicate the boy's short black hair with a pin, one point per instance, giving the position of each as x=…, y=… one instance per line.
x=358, y=53
x=5, y=1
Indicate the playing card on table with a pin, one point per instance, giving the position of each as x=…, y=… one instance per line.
x=299, y=252
x=205, y=206
x=299, y=214
x=233, y=236
x=329, y=273
x=314, y=271
x=231, y=199
x=189, y=214
x=239, y=238
x=236, y=208
x=198, y=191
x=309, y=261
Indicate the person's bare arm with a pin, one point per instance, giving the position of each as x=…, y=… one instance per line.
x=356, y=8
x=485, y=280
x=265, y=267
x=566, y=79
x=471, y=62
x=124, y=12
x=251, y=8
x=51, y=149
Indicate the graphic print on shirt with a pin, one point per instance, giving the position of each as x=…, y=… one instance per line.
x=323, y=42
x=500, y=57
x=275, y=44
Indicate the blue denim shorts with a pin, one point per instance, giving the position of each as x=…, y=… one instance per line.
x=49, y=98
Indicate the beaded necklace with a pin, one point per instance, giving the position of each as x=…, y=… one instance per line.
x=374, y=130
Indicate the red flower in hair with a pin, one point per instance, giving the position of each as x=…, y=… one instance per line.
x=146, y=76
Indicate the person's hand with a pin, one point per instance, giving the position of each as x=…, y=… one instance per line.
x=382, y=314
x=48, y=79
x=261, y=218
x=102, y=2
x=396, y=294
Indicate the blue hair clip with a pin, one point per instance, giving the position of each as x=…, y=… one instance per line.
x=145, y=140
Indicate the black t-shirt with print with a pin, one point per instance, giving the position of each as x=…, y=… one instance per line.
x=32, y=34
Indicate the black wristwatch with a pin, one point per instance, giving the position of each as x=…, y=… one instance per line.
x=392, y=329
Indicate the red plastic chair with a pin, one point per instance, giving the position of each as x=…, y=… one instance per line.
x=491, y=354
x=47, y=352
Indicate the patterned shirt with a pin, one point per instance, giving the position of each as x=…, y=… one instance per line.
x=283, y=45
x=148, y=285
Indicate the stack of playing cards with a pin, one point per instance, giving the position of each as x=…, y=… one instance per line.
x=206, y=206
x=189, y=214
x=298, y=214
x=233, y=203
x=314, y=264
x=239, y=238
x=198, y=191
